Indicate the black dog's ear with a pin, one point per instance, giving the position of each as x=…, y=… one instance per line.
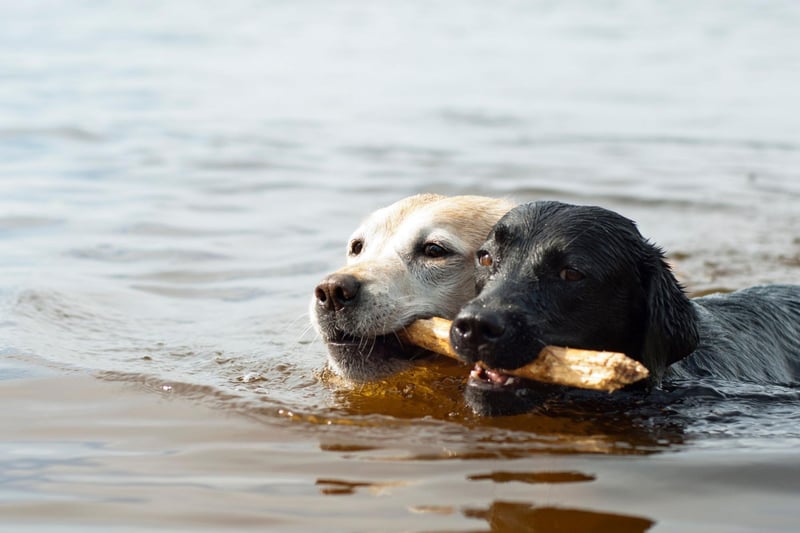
x=671, y=326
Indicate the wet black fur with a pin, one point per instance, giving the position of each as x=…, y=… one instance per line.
x=628, y=301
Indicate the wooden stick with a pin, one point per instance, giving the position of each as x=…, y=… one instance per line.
x=586, y=369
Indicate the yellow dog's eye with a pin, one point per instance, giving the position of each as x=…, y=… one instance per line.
x=570, y=274
x=485, y=258
x=356, y=246
x=434, y=250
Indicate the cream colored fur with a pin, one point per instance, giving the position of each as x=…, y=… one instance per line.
x=398, y=282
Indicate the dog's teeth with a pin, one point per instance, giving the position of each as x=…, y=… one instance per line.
x=497, y=377
x=492, y=376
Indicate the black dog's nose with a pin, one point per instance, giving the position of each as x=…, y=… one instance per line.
x=473, y=333
x=479, y=329
x=337, y=291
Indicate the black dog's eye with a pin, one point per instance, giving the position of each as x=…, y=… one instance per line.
x=570, y=274
x=356, y=246
x=434, y=251
x=485, y=258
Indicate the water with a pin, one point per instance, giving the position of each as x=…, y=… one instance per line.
x=175, y=179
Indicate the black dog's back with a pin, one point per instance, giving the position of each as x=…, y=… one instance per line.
x=751, y=335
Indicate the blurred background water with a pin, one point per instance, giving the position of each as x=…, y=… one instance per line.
x=176, y=176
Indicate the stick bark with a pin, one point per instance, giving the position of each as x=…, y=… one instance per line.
x=586, y=369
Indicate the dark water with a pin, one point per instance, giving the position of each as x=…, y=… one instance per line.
x=175, y=178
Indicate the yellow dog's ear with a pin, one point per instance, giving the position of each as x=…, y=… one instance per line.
x=671, y=323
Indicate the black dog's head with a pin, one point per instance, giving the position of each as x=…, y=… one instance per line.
x=578, y=276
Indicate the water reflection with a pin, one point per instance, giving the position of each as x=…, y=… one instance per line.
x=532, y=477
x=425, y=408
x=516, y=517
x=506, y=516
x=341, y=487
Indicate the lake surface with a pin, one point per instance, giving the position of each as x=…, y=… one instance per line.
x=176, y=177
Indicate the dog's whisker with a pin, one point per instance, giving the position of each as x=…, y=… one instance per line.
x=396, y=334
x=372, y=346
x=303, y=334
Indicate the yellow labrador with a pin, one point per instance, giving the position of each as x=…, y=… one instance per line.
x=410, y=260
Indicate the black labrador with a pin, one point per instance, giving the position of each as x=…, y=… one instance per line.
x=583, y=276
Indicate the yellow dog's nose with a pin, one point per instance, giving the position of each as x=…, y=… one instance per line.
x=337, y=291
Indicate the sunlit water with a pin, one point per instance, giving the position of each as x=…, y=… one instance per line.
x=176, y=177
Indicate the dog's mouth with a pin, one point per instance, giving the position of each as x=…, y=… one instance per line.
x=377, y=346
x=481, y=376
x=367, y=359
x=492, y=392
x=363, y=344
